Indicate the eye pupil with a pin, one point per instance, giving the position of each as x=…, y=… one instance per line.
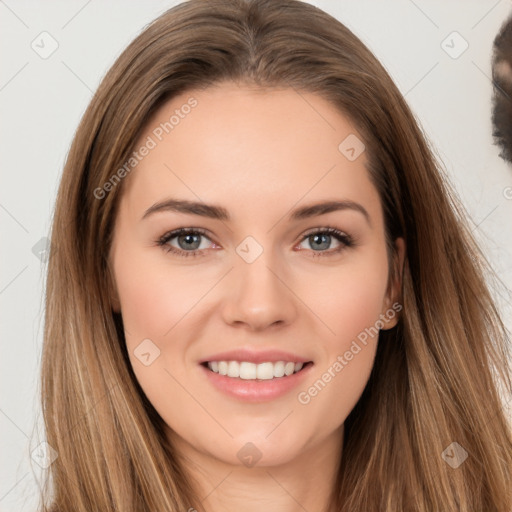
x=188, y=242
x=318, y=236
x=188, y=238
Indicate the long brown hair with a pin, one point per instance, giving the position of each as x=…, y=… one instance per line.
x=437, y=374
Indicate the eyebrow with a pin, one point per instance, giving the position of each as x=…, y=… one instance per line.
x=219, y=213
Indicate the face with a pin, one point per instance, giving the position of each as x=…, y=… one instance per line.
x=262, y=279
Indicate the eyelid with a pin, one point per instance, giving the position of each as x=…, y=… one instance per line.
x=169, y=235
x=345, y=239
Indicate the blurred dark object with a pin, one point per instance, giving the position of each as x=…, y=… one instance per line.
x=502, y=90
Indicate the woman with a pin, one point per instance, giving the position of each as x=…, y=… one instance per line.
x=261, y=371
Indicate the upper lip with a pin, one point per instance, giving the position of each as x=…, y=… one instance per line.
x=252, y=356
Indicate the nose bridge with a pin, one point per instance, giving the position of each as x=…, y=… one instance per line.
x=257, y=292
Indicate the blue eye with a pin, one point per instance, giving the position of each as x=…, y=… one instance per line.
x=317, y=238
x=185, y=236
x=191, y=237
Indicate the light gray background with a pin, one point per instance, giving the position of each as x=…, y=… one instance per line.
x=42, y=100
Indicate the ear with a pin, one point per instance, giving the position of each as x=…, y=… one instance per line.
x=112, y=289
x=392, y=302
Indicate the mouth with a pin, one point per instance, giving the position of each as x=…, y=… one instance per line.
x=245, y=370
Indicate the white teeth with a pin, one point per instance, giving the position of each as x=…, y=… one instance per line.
x=233, y=369
x=223, y=367
x=246, y=371
x=251, y=371
x=264, y=371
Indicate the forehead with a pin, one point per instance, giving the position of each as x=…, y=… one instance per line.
x=251, y=149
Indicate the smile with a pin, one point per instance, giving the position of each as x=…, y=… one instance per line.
x=255, y=382
x=251, y=371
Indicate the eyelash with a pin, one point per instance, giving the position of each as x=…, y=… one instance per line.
x=346, y=241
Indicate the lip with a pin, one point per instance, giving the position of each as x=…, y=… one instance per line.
x=252, y=356
x=256, y=390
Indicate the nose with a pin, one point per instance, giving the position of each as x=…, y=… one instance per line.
x=258, y=296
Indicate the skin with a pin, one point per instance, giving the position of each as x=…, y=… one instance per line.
x=259, y=154
x=503, y=69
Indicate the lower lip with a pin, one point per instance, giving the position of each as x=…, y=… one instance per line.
x=256, y=390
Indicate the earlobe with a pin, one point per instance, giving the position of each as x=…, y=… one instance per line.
x=115, y=303
x=393, y=303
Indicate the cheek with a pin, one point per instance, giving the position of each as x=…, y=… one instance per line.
x=145, y=304
x=154, y=297
x=350, y=307
x=350, y=299
x=154, y=300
